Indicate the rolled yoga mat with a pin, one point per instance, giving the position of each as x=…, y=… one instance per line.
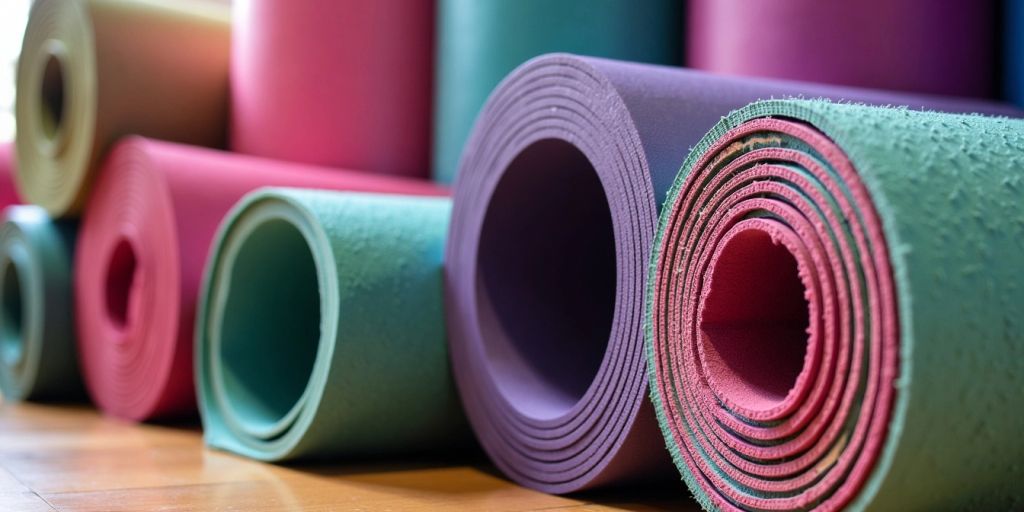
x=835, y=311
x=480, y=41
x=554, y=214
x=143, y=242
x=928, y=46
x=37, y=333
x=342, y=84
x=321, y=328
x=94, y=70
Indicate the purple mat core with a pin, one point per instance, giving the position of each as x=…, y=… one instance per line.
x=547, y=288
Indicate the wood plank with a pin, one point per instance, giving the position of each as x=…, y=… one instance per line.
x=74, y=459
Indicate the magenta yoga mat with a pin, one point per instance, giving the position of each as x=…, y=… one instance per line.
x=928, y=46
x=555, y=209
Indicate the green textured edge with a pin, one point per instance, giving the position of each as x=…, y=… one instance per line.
x=336, y=421
x=890, y=483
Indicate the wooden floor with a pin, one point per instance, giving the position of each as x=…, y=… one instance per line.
x=72, y=459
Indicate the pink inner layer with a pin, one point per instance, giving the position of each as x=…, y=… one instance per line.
x=753, y=349
x=762, y=392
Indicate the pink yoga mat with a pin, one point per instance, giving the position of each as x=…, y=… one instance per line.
x=931, y=46
x=345, y=84
x=8, y=192
x=141, y=251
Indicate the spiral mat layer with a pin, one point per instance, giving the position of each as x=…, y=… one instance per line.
x=142, y=247
x=555, y=211
x=817, y=307
x=351, y=284
x=91, y=71
x=37, y=333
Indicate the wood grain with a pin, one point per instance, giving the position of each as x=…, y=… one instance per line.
x=73, y=459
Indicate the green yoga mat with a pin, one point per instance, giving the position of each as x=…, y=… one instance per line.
x=37, y=333
x=836, y=310
x=481, y=41
x=320, y=330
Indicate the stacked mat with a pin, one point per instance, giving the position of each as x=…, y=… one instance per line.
x=93, y=71
x=821, y=309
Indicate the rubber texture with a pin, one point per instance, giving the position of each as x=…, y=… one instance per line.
x=833, y=321
x=321, y=331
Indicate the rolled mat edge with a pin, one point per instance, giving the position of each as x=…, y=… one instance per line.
x=920, y=464
x=38, y=360
x=378, y=380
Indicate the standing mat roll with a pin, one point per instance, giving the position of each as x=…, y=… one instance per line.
x=835, y=311
x=554, y=215
x=926, y=46
x=321, y=328
x=480, y=41
x=142, y=246
x=94, y=70
x=37, y=333
x=341, y=84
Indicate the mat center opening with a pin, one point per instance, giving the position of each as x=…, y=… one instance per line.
x=270, y=329
x=121, y=275
x=754, y=323
x=12, y=314
x=51, y=108
x=546, y=279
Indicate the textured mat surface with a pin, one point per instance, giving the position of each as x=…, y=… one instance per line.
x=834, y=317
x=321, y=331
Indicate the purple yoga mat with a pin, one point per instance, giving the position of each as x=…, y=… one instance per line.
x=555, y=208
x=929, y=46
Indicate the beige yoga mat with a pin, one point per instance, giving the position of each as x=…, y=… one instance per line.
x=92, y=71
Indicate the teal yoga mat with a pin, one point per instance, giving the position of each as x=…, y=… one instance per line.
x=834, y=317
x=481, y=41
x=320, y=330
x=37, y=333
